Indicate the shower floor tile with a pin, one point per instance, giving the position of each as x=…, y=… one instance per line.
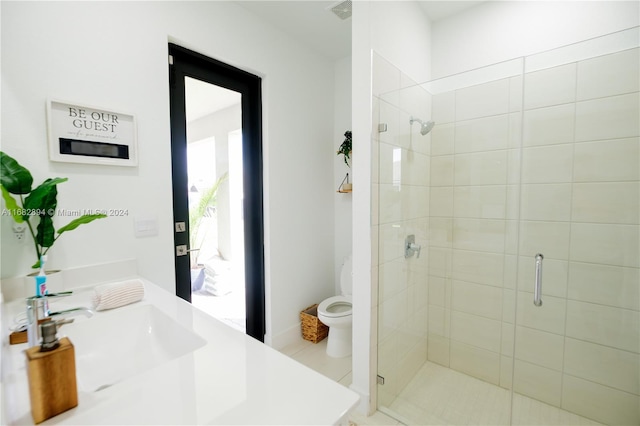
x=440, y=396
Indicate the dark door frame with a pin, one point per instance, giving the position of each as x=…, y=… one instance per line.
x=186, y=63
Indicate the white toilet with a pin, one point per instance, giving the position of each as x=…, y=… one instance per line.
x=337, y=314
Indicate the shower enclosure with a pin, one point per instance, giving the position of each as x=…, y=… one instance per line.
x=508, y=239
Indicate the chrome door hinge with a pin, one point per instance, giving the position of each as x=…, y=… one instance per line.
x=170, y=59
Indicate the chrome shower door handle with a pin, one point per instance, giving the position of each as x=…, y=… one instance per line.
x=537, y=289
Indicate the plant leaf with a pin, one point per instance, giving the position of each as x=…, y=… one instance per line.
x=87, y=218
x=44, y=196
x=12, y=205
x=208, y=198
x=44, y=200
x=15, y=178
x=46, y=233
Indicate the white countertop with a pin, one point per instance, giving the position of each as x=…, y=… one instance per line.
x=230, y=379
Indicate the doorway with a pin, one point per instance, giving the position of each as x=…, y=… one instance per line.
x=217, y=189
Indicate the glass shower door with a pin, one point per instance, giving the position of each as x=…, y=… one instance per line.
x=577, y=333
x=401, y=182
x=446, y=318
x=531, y=176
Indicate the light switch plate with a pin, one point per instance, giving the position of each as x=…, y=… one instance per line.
x=146, y=226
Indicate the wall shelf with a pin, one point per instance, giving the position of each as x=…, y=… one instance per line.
x=341, y=186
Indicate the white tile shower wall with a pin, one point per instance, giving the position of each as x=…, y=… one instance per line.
x=474, y=136
x=579, y=206
x=403, y=173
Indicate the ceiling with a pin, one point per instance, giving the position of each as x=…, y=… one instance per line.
x=437, y=10
x=311, y=23
x=204, y=98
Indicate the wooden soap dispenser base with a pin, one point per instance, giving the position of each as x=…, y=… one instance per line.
x=52, y=375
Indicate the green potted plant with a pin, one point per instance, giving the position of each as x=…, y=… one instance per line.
x=196, y=216
x=345, y=148
x=35, y=207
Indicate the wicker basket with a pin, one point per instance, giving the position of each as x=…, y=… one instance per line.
x=313, y=329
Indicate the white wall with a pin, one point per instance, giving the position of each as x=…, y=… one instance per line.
x=363, y=365
x=399, y=32
x=342, y=207
x=217, y=124
x=500, y=30
x=115, y=55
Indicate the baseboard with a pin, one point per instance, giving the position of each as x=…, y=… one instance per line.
x=364, y=406
x=82, y=276
x=285, y=338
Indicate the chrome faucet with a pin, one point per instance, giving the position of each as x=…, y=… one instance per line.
x=38, y=312
x=72, y=313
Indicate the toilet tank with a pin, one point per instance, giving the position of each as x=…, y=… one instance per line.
x=346, y=277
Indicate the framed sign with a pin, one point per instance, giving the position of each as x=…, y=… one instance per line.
x=84, y=134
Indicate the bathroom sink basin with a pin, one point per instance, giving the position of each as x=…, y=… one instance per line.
x=124, y=343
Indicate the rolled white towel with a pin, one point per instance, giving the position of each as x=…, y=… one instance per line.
x=114, y=295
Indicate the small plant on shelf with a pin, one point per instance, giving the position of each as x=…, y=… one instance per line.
x=345, y=148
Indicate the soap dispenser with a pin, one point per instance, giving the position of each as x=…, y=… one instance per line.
x=51, y=368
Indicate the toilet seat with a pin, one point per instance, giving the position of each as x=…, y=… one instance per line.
x=336, y=307
x=337, y=313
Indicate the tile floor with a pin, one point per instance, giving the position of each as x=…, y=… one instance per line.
x=439, y=396
x=228, y=308
x=315, y=357
x=227, y=302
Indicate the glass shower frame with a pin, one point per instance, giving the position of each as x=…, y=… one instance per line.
x=534, y=155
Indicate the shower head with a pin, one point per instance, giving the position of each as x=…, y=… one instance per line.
x=425, y=126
